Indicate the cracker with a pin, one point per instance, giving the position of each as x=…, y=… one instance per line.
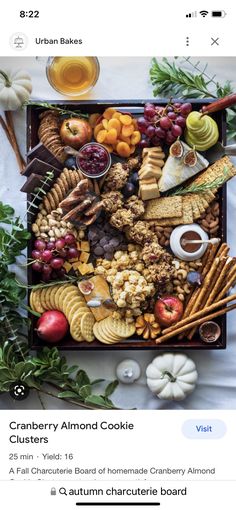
x=47, y=297
x=54, y=289
x=74, y=181
x=187, y=212
x=74, y=299
x=165, y=207
x=86, y=324
x=58, y=294
x=65, y=295
x=75, y=329
x=195, y=208
x=101, y=335
x=47, y=204
x=35, y=301
x=60, y=183
x=68, y=177
x=120, y=327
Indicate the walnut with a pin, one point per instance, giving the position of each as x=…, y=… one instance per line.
x=112, y=201
x=116, y=178
x=140, y=233
x=122, y=218
x=135, y=205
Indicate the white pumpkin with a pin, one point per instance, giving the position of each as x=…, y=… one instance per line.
x=172, y=376
x=15, y=88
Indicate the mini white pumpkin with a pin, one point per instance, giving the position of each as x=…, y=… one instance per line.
x=15, y=88
x=172, y=376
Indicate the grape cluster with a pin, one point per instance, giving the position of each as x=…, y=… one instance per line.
x=162, y=124
x=50, y=256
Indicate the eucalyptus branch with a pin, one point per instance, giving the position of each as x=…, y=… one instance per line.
x=38, y=192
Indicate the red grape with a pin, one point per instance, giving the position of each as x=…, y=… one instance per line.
x=171, y=115
x=177, y=105
x=69, y=239
x=51, y=245
x=37, y=266
x=185, y=108
x=144, y=143
x=149, y=112
x=156, y=140
x=170, y=138
x=46, y=277
x=181, y=121
x=60, y=243
x=176, y=130
x=46, y=255
x=57, y=263
x=73, y=253
x=47, y=269
x=150, y=131
x=36, y=254
x=39, y=244
x=165, y=123
x=142, y=124
x=160, y=133
x=61, y=272
x=63, y=253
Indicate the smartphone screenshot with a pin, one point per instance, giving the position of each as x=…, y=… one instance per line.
x=117, y=256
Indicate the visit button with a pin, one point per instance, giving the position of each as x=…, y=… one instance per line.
x=204, y=429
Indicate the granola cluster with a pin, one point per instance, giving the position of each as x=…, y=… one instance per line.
x=112, y=201
x=116, y=178
x=140, y=233
x=135, y=205
x=122, y=218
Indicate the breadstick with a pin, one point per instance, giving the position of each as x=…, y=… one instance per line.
x=199, y=314
x=228, y=285
x=212, y=285
x=230, y=263
x=197, y=322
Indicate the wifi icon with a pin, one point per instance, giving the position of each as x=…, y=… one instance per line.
x=204, y=13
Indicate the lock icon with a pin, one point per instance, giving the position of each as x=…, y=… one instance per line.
x=53, y=491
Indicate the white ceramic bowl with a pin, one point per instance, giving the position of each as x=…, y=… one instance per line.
x=176, y=247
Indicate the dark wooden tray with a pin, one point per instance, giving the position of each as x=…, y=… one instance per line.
x=136, y=107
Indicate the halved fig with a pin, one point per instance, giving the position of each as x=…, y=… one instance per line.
x=190, y=158
x=86, y=287
x=176, y=149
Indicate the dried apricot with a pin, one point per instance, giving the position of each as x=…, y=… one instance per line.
x=127, y=130
x=97, y=128
x=126, y=120
x=115, y=123
x=105, y=123
x=111, y=136
x=135, y=137
x=101, y=136
x=123, y=149
x=116, y=115
x=132, y=149
x=108, y=147
x=108, y=113
x=93, y=118
x=125, y=139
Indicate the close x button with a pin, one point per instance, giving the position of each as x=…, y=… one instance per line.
x=215, y=41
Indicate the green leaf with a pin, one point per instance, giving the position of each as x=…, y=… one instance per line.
x=82, y=378
x=97, y=400
x=111, y=388
x=85, y=391
x=68, y=394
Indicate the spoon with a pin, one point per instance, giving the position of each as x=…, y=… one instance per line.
x=214, y=240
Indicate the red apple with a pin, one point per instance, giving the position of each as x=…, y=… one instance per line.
x=168, y=310
x=52, y=326
x=75, y=132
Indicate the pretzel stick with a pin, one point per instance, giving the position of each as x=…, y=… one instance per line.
x=210, y=254
x=191, y=305
x=199, y=314
x=228, y=285
x=213, y=285
x=230, y=263
x=164, y=338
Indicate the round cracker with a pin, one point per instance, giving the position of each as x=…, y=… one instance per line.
x=74, y=298
x=47, y=297
x=42, y=297
x=57, y=295
x=68, y=177
x=54, y=289
x=120, y=327
x=35, y=301
x=67, y=298
x=100, y=335
x=64, y=294
x=86, y=324
x=75, y=329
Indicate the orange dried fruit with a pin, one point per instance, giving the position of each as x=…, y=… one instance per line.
x=135, y=137
x=114, y=123
x=126, y=120
x=123, y=149
x=116, y=115
x=125, y=139
x=132, y=149
x=127, y=130
x=105, y=123
x=108, y=147
x=108, y=113
x=111, y=136
x=93, y=118
x=97, y=128
x=101, y=136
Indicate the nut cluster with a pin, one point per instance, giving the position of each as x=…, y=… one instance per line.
x=51, y=227
x=162, y=233
x=180, y=285
x=209, y=220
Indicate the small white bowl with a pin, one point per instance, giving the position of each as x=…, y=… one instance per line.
x=178, y=250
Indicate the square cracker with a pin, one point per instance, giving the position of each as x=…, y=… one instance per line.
x=195, y=210
x=165, y=207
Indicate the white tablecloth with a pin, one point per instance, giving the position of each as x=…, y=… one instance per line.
x=216, y=389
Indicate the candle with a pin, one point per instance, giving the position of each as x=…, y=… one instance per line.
x=128, y=371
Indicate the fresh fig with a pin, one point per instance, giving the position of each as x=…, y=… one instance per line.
x=190, y=158
x=194, y=278
x=176, y=149
x=86, y=287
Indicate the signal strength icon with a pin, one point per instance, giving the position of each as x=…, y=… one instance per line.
x=191, y=14
x=204, y=13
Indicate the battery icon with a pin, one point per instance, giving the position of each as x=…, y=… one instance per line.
x=218, y=14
